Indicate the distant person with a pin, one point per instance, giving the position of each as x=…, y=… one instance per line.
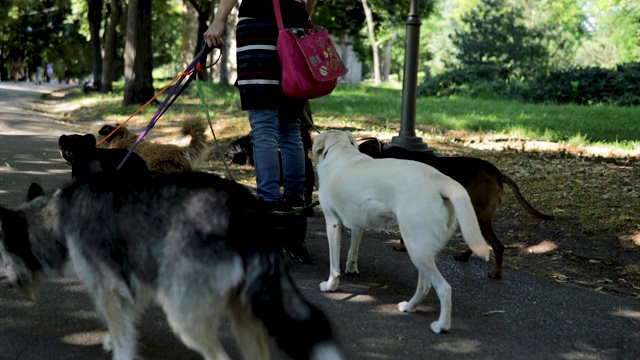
x=16, y=68
x=39, y=70
x=50, y=73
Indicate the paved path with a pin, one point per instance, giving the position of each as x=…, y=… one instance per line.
x=519, y=317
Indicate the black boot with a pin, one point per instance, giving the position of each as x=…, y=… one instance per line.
x=296, y=219
x=289, y=228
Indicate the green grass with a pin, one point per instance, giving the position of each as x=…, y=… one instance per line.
x=379, y=106
x=606, y=125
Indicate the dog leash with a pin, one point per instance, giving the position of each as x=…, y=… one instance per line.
x=206, y=111
x=200, y=57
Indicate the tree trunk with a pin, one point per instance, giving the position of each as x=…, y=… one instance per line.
x=109, y=62
x=386, y=63
x=95, y=24
x=138, y=87
x=226, y=65
x=374, y=44
x=204, y=8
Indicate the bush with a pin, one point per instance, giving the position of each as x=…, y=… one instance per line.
x=471, y=80
x=583, y=86
x=587, y=86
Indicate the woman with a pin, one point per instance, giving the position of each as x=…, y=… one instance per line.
x=274, y=118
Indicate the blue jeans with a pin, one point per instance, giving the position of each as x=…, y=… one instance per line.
x=268, y=134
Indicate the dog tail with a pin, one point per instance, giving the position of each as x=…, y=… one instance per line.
x=197, y=148
x=525, y=204
x=466, y=216
x=299, y=328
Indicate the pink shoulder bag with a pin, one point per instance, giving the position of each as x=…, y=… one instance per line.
x=311, y=65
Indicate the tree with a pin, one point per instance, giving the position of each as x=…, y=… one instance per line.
x=138, y=87
x=204, y=8
x=94, y=16
x=374, y=44
x=495, y=34
x=109, y=72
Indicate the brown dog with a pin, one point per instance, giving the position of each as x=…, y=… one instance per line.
x=482, y=180
x=163, y=157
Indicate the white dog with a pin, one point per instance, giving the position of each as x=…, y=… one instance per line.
x=360, y=193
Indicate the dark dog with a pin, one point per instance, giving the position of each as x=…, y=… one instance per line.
x=85, y=159
x=483, y=181
x=241, y=152
x=180, y=239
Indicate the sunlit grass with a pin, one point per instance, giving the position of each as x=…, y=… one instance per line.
x=603, y=125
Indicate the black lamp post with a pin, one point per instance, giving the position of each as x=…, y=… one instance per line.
x=407, y=137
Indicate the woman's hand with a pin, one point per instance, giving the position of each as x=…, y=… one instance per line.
x=214, y=36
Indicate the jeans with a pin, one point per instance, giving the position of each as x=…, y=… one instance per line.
x=268, y=134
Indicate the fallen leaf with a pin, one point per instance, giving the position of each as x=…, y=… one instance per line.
x=493, y=312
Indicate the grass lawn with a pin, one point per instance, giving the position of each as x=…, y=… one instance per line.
x=381, y=107
x=603, y=125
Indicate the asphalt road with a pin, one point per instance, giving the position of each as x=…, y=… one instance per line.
x=519, y=317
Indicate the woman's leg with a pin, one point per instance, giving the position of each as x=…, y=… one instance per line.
x=264, y=136
x=293, y=167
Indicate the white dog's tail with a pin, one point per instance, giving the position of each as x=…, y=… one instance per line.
x=466, y=216
x=299, y=328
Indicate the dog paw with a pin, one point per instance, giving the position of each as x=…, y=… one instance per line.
x=107, y=344
x=400, y=247
x=437, y=328
x=495, y=274
x=404, y=307
x=330, y=285
x=351, y=269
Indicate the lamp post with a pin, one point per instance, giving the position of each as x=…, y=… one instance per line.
x=407, y=137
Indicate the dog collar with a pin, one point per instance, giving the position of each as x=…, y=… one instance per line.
x=326, y=152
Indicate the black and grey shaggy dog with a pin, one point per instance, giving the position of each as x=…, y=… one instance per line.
x=193, y=242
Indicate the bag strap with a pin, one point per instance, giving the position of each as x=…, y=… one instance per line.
x=276, y=9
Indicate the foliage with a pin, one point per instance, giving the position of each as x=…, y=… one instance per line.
x=614, y=26
x=166, y=17
x=582, y=86
x=485, y=81
x=39, y=28
x=587, y=86
x=344, y=17
x=495, y=34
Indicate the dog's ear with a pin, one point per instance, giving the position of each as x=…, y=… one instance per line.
x=318, y=146
x=34, y=191
x=352, y=139
x=62, y=139
x=370, y=147
x=89, y=140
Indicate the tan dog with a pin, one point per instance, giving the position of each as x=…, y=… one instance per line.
x=483, y=181
x=353, y=193
x=163, y=157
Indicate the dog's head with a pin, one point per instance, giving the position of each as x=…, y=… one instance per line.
x=372, y=147
x=324, y=141
x=22, y=265
x=107, y=130
x=75, y=144
x=241, y=151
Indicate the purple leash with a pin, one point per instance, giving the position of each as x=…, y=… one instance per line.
x=201, y=57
